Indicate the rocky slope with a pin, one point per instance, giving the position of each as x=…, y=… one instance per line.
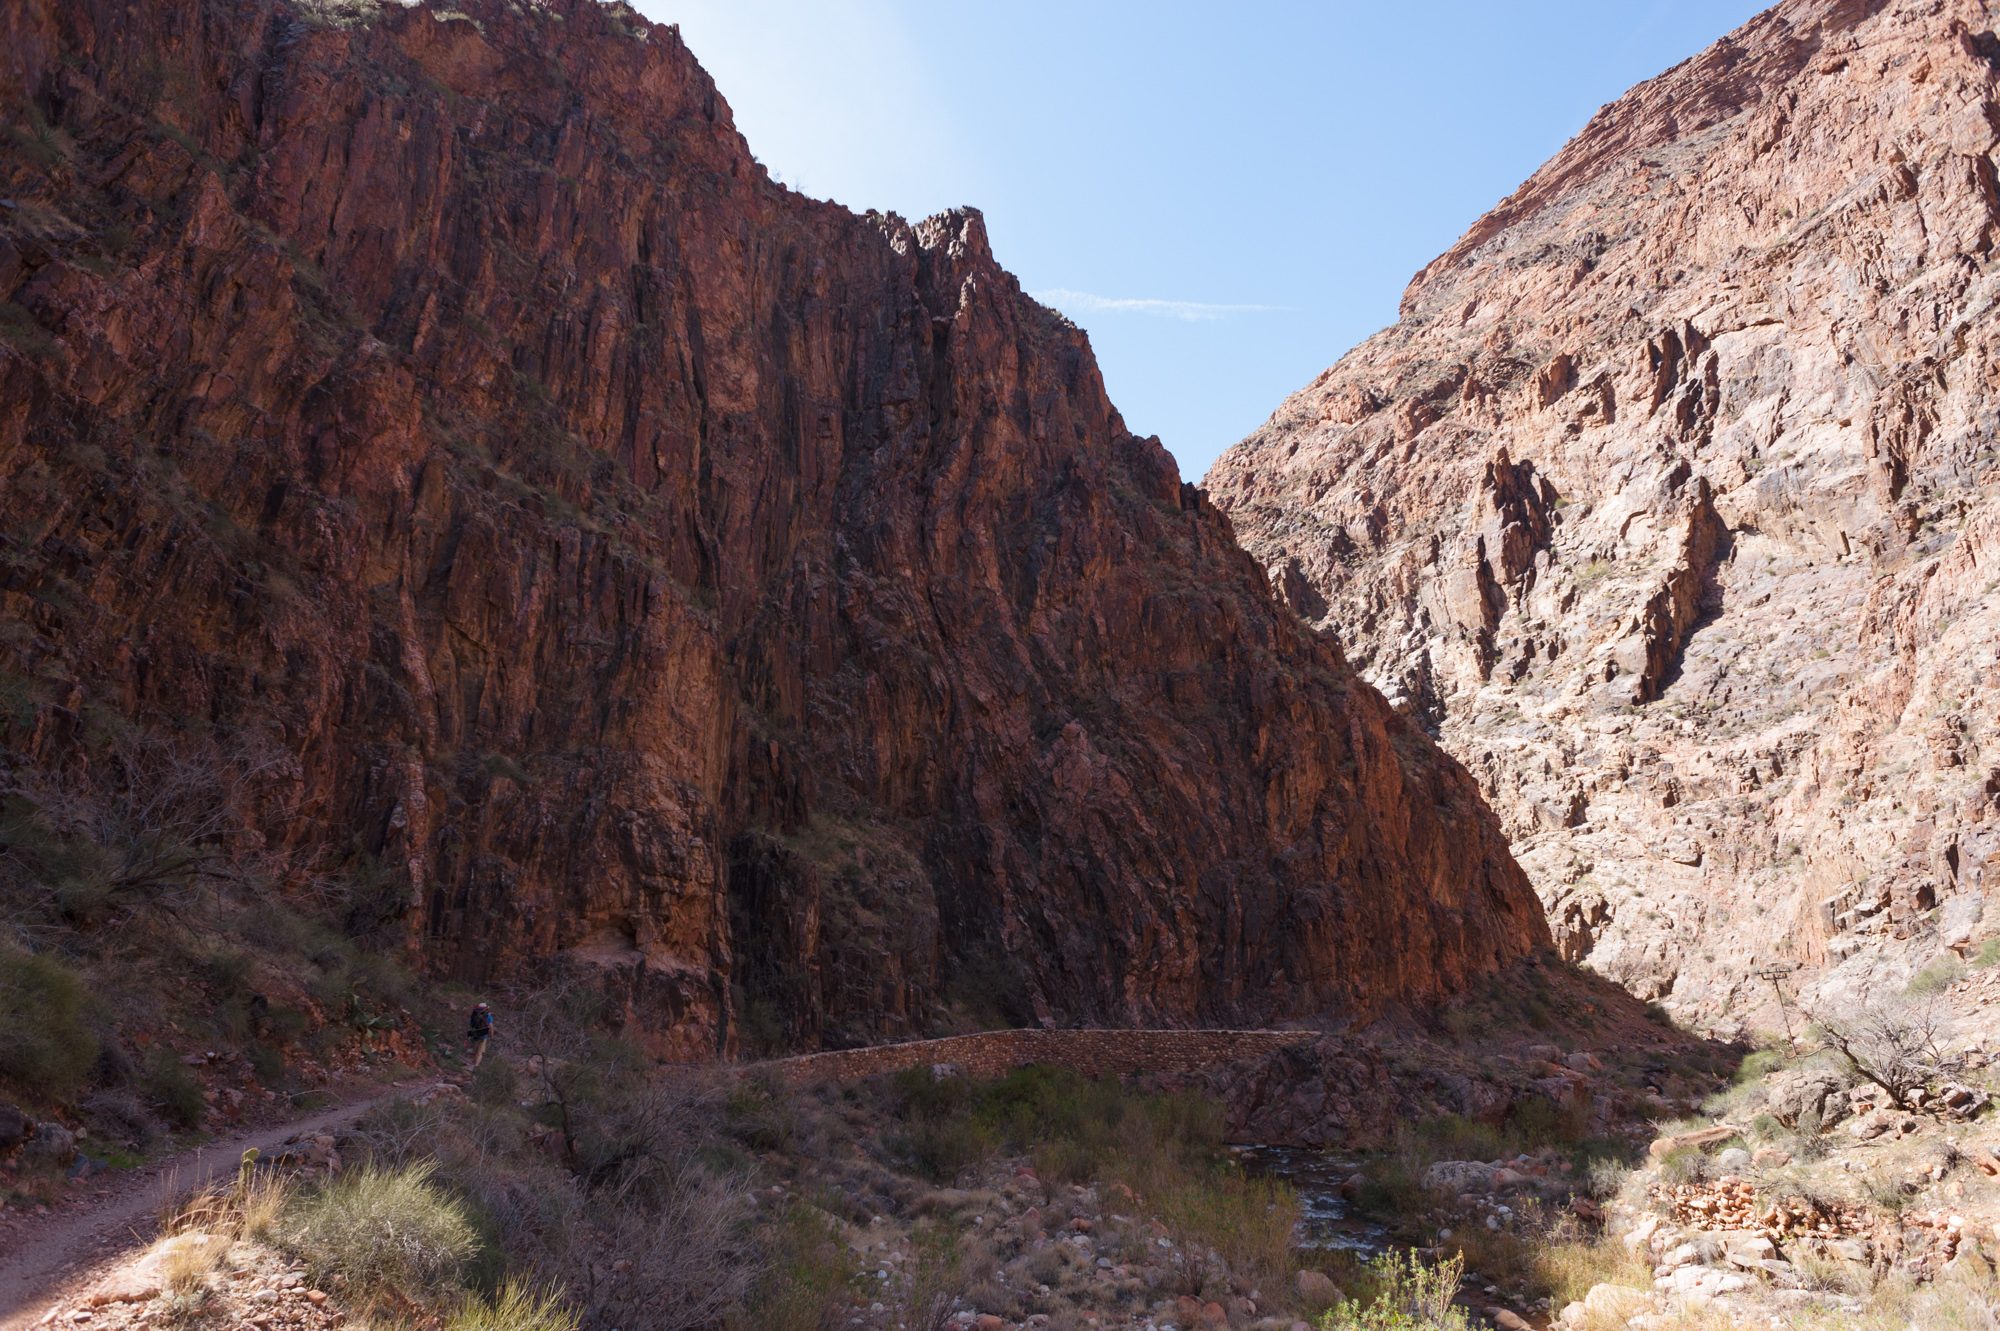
x=621, y=558
x=1672, y=504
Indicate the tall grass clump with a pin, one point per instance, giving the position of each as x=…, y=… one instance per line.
x=517, y=1307
x=386, y=1230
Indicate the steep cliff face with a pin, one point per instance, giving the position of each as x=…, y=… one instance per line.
x=647, y=566
x=1672, y=504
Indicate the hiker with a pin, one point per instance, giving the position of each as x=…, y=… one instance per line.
x=478, y=1030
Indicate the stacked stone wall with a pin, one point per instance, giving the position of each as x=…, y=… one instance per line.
x=1095, y=1053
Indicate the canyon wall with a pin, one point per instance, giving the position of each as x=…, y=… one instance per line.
x=1672, y=505
x=625, y=560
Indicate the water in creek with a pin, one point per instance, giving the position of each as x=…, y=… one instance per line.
x=1328, y=1221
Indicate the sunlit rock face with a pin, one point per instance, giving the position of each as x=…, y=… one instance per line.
x=1672, y=505
x=638, y=564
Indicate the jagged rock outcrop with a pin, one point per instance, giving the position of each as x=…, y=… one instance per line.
x=641, y=564
x=1671, y=504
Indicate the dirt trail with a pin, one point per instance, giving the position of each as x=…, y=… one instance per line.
x=44, y=1260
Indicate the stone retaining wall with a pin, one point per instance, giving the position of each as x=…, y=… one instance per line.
x=1097, y=1053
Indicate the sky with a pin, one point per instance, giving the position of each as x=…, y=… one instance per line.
x=1226, y=196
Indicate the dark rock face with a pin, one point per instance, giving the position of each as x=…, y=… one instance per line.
x=650, y=567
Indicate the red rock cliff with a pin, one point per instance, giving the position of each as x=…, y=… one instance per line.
x=654, y=567
x=1672, y=502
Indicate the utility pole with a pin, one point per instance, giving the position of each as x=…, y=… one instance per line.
x=1774, y=974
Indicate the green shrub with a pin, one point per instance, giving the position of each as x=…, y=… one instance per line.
x=943, y=1149
x=267, y=1063
x=760, y=1116
x=1684, y=1164
x=1247, y=1222
x=1937, y=976
x=174, y=1091
x=1759, y=1064
x=494, y=1084
x=1988, y=953
x=1409, y=1297
x=226, y=969
x=516, y=1307
x=937, y=1277
x=45, y=1047
x=384, y=1230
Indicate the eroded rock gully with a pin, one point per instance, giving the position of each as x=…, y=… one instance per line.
x=1672, y=503
x=638, y=563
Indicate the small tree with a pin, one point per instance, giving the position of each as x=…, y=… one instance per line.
x=1894, y=1045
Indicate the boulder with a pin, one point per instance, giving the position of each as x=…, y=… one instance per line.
x=1456, y=1176
x=1702, y=1138
x=14, y=1127
x=1316, y=1290
x=50, y=1143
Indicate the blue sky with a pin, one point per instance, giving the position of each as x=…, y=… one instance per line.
x=1227, y=196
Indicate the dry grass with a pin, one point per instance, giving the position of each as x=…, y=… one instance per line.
x=1567, y=1263
x=1613, y=1311
x=187, y=1264
x=385, y=1230
x=517, y=1307
x=248, y=1207
x=189, y=1260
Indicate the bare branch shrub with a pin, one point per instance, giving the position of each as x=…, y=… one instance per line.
x=151, y=825
x=695, y=1262
x=1895, y=1044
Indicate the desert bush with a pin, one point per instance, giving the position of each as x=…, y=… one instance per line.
x=151, y=829
x=1409, y=1297
x=115, y=1116
x=515, y=1307
x=760, y=1117
x=46, y=1047
x=172, y=1089
x=1894, y=1045
x=808, y=1280
x=494, y=1083
x=1988, y=953
x=190, y=1260
x=941, y=1150
x=267, y=1062
x=691, y=1264
x=1759, y=1064
x=1246, y=1222
x=1684, y=1164
x=1564, y=1263
x=1936, y=977
x=937, y=1276
x=1392, y=1187
x=384, y=1230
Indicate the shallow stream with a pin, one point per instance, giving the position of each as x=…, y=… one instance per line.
x=1328, y=1219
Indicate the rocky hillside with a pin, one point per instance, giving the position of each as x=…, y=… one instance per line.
x=610, y=555
x=1672, y=504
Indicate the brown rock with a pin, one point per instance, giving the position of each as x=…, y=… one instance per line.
x=1693, y=575
x=1316, y=1289
x=1700, y=1137
x=654, y=568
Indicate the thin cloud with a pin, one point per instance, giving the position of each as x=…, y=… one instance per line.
x=1187, y=311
